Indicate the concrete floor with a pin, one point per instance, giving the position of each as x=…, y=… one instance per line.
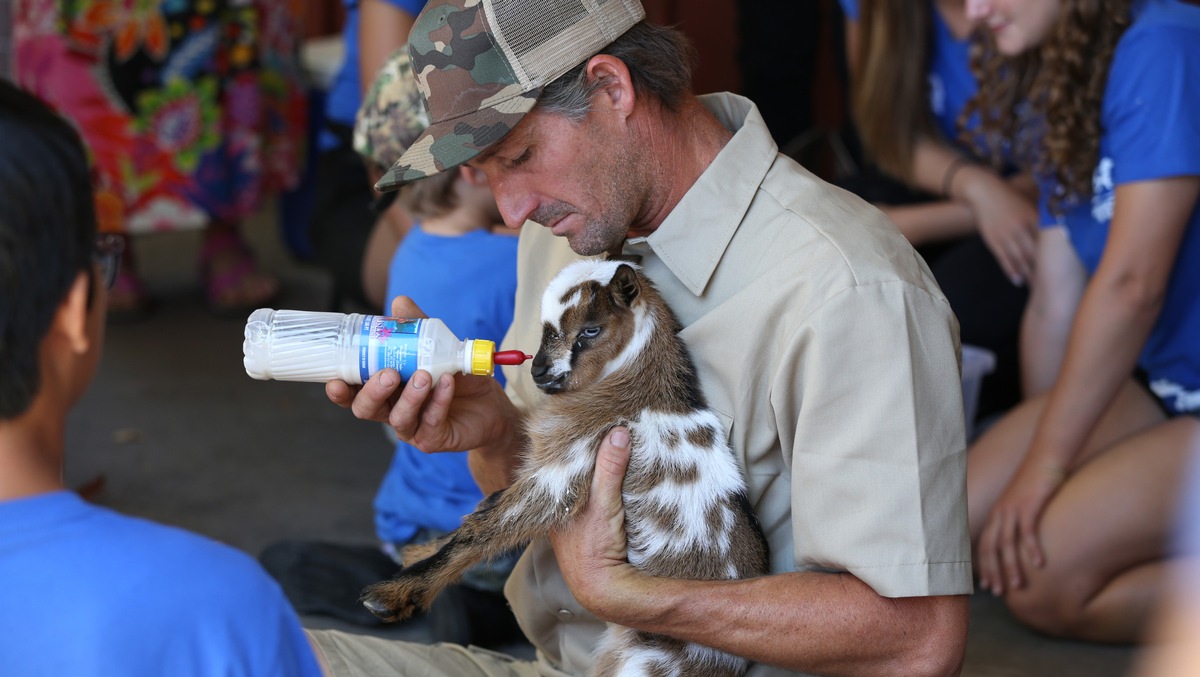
x=181, y=435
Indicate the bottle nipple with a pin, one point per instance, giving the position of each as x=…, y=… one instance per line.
x=511, y=357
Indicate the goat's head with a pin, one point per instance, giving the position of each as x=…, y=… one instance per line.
x=593, y=323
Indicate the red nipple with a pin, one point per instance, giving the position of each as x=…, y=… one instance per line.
x=511, y=357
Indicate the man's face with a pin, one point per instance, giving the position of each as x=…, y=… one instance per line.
x=582, y=180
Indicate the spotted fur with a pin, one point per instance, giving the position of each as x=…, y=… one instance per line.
x=611, y=355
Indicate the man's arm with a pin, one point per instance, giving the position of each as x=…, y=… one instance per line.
x=812, y=622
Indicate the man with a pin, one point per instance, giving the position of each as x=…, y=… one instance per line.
x=86, y=590
x=819, y=336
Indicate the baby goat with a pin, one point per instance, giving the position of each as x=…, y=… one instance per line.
x=611, y=355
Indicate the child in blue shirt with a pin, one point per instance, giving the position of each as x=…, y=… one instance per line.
x=1071, y=495
x=84, y=589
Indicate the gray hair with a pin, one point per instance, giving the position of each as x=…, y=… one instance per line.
x=660, y=61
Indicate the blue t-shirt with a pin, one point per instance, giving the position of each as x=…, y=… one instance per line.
x=951, y=84
x=1151, y=130
x=87, y=591
x=345, y=93
x=469, y=282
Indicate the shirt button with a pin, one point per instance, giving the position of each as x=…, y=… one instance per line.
x=565, y=614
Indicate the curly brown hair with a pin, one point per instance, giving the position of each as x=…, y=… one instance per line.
x=1047, y=103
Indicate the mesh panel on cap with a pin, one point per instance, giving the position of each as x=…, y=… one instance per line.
x=553, y=17
x=561, y=35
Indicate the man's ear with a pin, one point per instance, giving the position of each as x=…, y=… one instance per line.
x=616, y=85
x=73, y=314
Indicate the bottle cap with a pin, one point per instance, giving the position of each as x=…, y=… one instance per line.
x=481, y=357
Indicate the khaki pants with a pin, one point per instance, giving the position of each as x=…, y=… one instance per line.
x=343, y=654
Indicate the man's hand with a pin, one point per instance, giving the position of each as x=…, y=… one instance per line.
x=592, y=551
x=454, y=414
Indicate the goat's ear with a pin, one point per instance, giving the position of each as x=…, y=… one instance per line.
x=625, y=284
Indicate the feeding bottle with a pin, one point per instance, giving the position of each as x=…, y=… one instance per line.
x=297, y=345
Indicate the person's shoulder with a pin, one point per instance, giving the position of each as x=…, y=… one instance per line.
x=1155, y=62
x=839, y=240
x=153, y=550
x=1161, y=28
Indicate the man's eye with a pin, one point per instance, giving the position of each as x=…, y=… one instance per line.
x=520, y=159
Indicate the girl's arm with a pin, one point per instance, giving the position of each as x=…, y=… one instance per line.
x=1120, y=306
x=1005, y=217
x=1055, y=293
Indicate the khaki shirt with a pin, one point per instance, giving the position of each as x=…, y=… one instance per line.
x=828, y=351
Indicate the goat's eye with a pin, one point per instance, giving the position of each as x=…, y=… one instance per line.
x=590, y=332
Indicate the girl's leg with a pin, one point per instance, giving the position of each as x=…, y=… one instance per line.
x=994, y=458
x=1105, y=536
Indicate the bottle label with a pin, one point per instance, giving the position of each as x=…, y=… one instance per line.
x=388, y=343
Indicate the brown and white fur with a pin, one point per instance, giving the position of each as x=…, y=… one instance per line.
x=611, y=355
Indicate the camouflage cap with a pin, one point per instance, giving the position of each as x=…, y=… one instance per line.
x=480, y=66
x=392, y=114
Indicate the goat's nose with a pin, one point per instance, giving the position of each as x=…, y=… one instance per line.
x=540, y=366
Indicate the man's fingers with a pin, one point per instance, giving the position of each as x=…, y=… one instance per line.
x=406, y=415
x=373, y=400
x=611, y=462
x=438, y=407
x=340, y=393
x=404, y=307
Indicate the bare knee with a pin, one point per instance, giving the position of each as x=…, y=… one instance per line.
x=1051, y=606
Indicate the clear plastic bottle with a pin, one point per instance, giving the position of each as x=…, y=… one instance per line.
x=297, y=345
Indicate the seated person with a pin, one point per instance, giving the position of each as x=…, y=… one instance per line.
x=1072, y=494
x=86, y=590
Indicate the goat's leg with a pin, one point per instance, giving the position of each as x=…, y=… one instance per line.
x=505, y=520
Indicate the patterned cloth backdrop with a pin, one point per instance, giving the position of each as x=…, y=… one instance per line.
x=192, y=110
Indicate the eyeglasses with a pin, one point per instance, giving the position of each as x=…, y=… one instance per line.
x=108, y=252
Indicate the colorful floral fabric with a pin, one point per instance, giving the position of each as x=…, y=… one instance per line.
x=192, y=110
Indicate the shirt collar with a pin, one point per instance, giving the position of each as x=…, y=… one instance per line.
x=694, y=236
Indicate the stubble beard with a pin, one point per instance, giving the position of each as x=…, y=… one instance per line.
x=623, y=195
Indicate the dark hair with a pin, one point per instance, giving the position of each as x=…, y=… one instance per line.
x=47, y=234
x=660, y=61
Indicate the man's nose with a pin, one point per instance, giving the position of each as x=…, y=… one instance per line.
x=515, y=204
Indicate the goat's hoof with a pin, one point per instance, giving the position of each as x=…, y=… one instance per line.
x=380, y=610
x=390, y=602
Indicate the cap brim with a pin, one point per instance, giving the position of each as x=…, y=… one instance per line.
x=450, y=143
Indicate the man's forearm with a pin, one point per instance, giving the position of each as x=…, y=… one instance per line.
x=494, y=466
x=821, y=623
